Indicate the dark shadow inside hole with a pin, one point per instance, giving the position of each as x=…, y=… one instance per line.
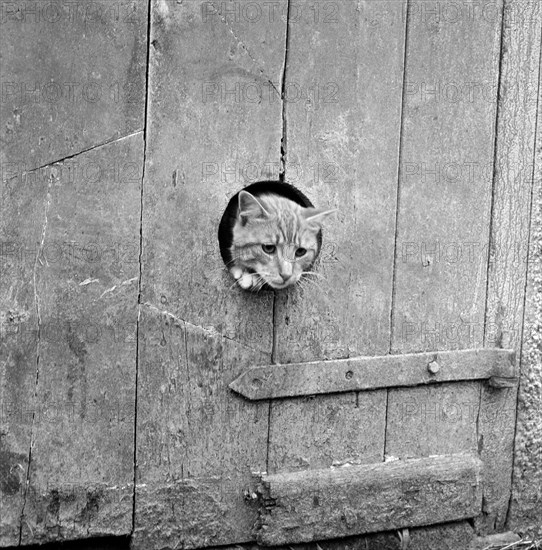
x=225, y=228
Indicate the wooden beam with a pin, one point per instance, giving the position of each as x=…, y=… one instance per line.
x=335, y=502
x=509, y=241
x=369, y=373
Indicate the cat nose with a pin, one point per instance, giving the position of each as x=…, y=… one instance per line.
x=285, y=273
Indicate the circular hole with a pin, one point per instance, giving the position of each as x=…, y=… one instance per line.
x=230, y=216
x=349, y=375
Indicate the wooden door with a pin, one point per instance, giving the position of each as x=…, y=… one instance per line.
x=381, y=397
x=387, y=111
x=359, y=109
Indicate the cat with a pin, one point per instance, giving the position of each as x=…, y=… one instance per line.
x=274, y=240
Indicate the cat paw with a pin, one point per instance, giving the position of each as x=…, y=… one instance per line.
x=236, y=272
x=246, y=281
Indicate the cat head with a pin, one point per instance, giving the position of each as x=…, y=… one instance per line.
x=276, y=238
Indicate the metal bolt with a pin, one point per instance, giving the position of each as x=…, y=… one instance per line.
x=433, y=367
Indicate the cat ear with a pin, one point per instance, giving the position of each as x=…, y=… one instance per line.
x=250, y=207
x=315, y=216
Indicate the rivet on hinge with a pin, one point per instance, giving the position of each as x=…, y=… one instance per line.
x=433, y=367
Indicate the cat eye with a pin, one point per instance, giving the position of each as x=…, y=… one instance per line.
x=300, y=252
x=269, y=248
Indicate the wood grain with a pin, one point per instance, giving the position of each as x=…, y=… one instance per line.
x=331, y=502
x=197, y=442
x=509, y=242
x=21, y=228
x=81, y=470
x=342, y=150
x=425, y=421
x=73, y=77
x=443, y=218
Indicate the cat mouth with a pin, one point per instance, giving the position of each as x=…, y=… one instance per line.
x=280, y=286
x=267, y=284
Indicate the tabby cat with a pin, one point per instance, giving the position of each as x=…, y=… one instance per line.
x=274, y=240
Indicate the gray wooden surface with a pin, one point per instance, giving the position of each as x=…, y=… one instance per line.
x=80, y=479
x=72, y=82
x=444, y=201
x=347, y=312
x=524, y=509
x=197, y=443
x=332, y=502
x=512, y=197
x=116, y=360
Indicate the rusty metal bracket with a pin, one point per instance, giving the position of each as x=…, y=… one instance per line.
x=371, y=373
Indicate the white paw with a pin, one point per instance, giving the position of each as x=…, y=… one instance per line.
x=236, y=272
x=246, y=281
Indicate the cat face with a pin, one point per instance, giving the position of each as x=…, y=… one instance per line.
x=274, y=239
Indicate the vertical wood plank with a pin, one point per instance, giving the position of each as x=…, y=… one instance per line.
x=81, y=469
x=19, y=232
x=445, y=183
x=512, y=192
x=443, y=219
x=525, y=514
x=208, y=136
x=72, y=79
x=342, y=147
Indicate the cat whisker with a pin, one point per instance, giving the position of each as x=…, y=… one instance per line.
x=232, y=286
x=259, y=286
x=261, y=281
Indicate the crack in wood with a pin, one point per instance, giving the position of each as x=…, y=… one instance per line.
x=140, y=258
x=243, y=45
x=38, y=350
x=84, y=151
x=284, y=138
x=209, y=330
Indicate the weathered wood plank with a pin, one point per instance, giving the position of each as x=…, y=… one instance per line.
x=445, y=183
x=197, y=446
x=443, y=217
x=342, y=150
x=73, y=77
x=330, y=432
x=448, y=536
x=197, y=442
x=436, y=420
x=21, y=228
x=81, y=470
x=325, y=503
x=525, y=513
x=369, y=373
x=342, y=147
x=512, y=191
